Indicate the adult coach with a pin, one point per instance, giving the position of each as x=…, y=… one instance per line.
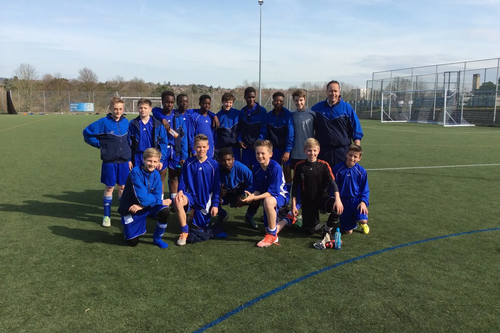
x=335, y=124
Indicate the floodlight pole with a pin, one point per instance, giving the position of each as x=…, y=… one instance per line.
x=260, y=51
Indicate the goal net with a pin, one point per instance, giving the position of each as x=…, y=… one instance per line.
x=443, y=105
x=131, y=106
x=435, y=106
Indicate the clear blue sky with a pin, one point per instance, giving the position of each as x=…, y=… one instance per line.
x=217, y=42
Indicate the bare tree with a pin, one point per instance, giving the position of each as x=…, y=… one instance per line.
x=116, y=84
x=138, y=86
x=27, y=84
x=88, y=79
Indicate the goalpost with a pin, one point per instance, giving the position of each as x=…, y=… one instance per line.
x=442, y=106
x=131, y=106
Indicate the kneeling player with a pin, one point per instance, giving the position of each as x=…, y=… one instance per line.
x=142, y=198
x=313, y=178
x=199, y=189
x=269, y=187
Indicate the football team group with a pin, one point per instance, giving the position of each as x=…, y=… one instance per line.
x=233, y=158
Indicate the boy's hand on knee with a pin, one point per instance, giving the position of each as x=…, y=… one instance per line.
x=338, y=207
x=214, y=211
x=167, y=202
x=135, y=208
x=362, y=208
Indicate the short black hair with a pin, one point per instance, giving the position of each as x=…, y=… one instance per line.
x=278, y=93
x=179, y=97
x=334, y=81
x=204, y=97
x=225, y=151
x=249, y=90
x=165, y=94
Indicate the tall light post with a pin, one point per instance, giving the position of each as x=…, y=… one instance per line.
x=260, y=50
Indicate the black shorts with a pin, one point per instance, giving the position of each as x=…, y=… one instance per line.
x=310, y=210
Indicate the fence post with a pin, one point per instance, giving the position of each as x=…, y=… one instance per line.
x=496, y=93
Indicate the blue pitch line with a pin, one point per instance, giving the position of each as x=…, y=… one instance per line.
x=300, y=279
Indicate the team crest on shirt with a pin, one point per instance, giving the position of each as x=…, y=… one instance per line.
x=111, y=132
x=200, y=168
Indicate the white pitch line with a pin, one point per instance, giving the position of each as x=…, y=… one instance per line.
x=436, y=167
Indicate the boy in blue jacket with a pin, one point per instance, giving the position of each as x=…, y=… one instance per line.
x=352, y=181
x=199, y=189
x=269, y=188
x=142, y=198
x=110, y=135
x=251, y=127
x=177, y=149
x=201, y=121
x=147, y=132
x=235, y=178
x=227, y=133
x=280, y=131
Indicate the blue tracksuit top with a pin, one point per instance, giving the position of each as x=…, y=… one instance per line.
x=280, y=130
x=142, y=188
x=336, y=125
x=252, y=124
x=227, y=133
x=237, y=180
x=201, y=124
x=142, y=140
x=201, y=181
x=352, y=182
x=176, y=121
x=271, y=180
x=111, y=137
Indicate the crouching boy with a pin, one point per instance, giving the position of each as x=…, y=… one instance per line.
x=199, y=189
x=142, y=198
x=269, y=188
x=313, y=179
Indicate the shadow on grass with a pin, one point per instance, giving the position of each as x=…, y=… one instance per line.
x=82, y=206
x=90, y=236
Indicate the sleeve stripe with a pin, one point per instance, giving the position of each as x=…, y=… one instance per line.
x=329, y=169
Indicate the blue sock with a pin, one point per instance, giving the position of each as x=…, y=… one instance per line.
x=221, y=235
x=185, y=229
x=271, y=231
x=107, y=204
x=159, y=231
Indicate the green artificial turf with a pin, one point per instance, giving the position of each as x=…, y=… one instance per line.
x=60, y=271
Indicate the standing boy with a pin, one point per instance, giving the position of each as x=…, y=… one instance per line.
x=201, y=122
x=177, y=149
x=146, y=132
x=313, y=178
x=235, y=178
x=199, y=189
x=142, y=198
x=303, y=125
x=110, y=135
x=352, y=181
x=280, y=132
x=251, y=127
x=227, y=133
x=269, y=188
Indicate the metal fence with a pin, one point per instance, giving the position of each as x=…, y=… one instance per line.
x=476, y=84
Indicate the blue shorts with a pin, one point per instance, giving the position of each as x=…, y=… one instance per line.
x=134, y=225
x=277, y=153
x=351, y=215
x=114, y=173
x=201, y=218
x=172, y=161
x=248, y=156
x=280, y=202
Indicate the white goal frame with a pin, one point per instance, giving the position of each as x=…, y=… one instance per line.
x=391, y=100
x=133, y=109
